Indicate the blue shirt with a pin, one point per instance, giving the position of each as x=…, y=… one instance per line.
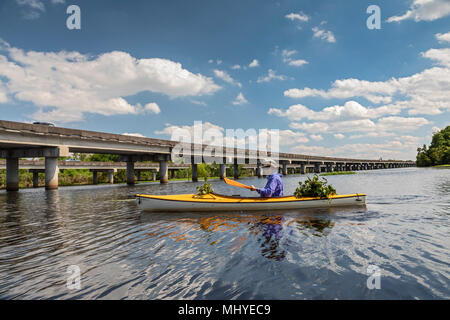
x=273, y=188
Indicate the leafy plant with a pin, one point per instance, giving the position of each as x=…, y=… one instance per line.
x=314, y=188
x=205, y=189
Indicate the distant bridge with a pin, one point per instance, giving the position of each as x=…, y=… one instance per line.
x=23, y=140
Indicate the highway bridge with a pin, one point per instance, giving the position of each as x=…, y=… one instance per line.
x=24, y=140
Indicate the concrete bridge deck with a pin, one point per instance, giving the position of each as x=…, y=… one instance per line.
x=23, y=140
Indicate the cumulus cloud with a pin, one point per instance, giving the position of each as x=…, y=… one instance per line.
x=443, y=37
x=271, y=75
x=236, y=67
x=226, y=77
x=316, y=137
x=383, y=126
x=65, y=85
x=287, y=58
x=240, y=100
x=152, y=107
x=427, y=92
x=339, y=136
x=350, y=110
x=254, y=63
x=324, y=34
x=285, y=137
x=424, y=10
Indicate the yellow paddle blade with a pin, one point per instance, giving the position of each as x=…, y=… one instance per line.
x=236, y=184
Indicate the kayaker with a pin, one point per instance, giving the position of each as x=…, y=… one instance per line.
x=274, y=186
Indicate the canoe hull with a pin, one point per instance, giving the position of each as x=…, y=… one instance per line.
x=153, y=203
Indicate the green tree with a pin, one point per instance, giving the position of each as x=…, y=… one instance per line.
x=438, y=152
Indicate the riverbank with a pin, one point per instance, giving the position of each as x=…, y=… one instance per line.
x=337, y=173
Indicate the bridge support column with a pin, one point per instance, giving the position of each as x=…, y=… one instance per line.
x=317, y=168
x=236, y=169
x=138, y=175
x=259, y=171
x=35, y=179
x=194, y=172
x=302, y=168
x=130, y=173
x=51, y=173
x=111, y=176
x=285, y=169
x=94, y=177
x=329, y=168
x=223, y=170
x=154, y=175
x=12, y=174
x=163, y=171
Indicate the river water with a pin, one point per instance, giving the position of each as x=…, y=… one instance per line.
x=122, y=253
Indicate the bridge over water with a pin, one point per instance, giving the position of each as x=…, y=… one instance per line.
x=23, y=140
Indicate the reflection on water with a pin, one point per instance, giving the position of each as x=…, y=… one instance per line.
x=311, y=253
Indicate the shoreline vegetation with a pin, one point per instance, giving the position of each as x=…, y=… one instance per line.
x=337, y=173
x=438, y=153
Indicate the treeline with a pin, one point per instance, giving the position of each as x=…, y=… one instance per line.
x=438, y=153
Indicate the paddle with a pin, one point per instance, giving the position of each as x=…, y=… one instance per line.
x=236, y=184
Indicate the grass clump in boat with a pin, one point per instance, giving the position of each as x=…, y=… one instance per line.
x=205, y=188
x=314, y=188
x=337, y=173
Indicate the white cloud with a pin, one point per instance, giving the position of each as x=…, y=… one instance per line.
x=65, y=85
x=339, y=136
x=382, y=127
x=152, y=107
x=254, y=63
x=441, y=56
x=316, y=137
x=219, y=62
x=443, y=37
x=427, y=92
x=286, y=137
x=287, y=53
x=350, y=110
x=226, y=77
x=236, y=67
x=240, y=100
x=424, y=10
x=324, y=35
x=134, y=134
x=297, y=16
x=271, y=76
x=287, y=58
x=298, y=63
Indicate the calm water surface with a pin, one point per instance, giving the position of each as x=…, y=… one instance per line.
x=309, y=254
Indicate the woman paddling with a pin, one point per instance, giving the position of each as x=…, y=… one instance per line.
x=274, y=186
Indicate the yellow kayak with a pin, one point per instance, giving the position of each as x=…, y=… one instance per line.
x=211, y=202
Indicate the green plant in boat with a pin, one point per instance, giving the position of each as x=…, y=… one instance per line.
x=314, y=188
x=205, y=189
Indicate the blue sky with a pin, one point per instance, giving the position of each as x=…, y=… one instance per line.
x=319, y=75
